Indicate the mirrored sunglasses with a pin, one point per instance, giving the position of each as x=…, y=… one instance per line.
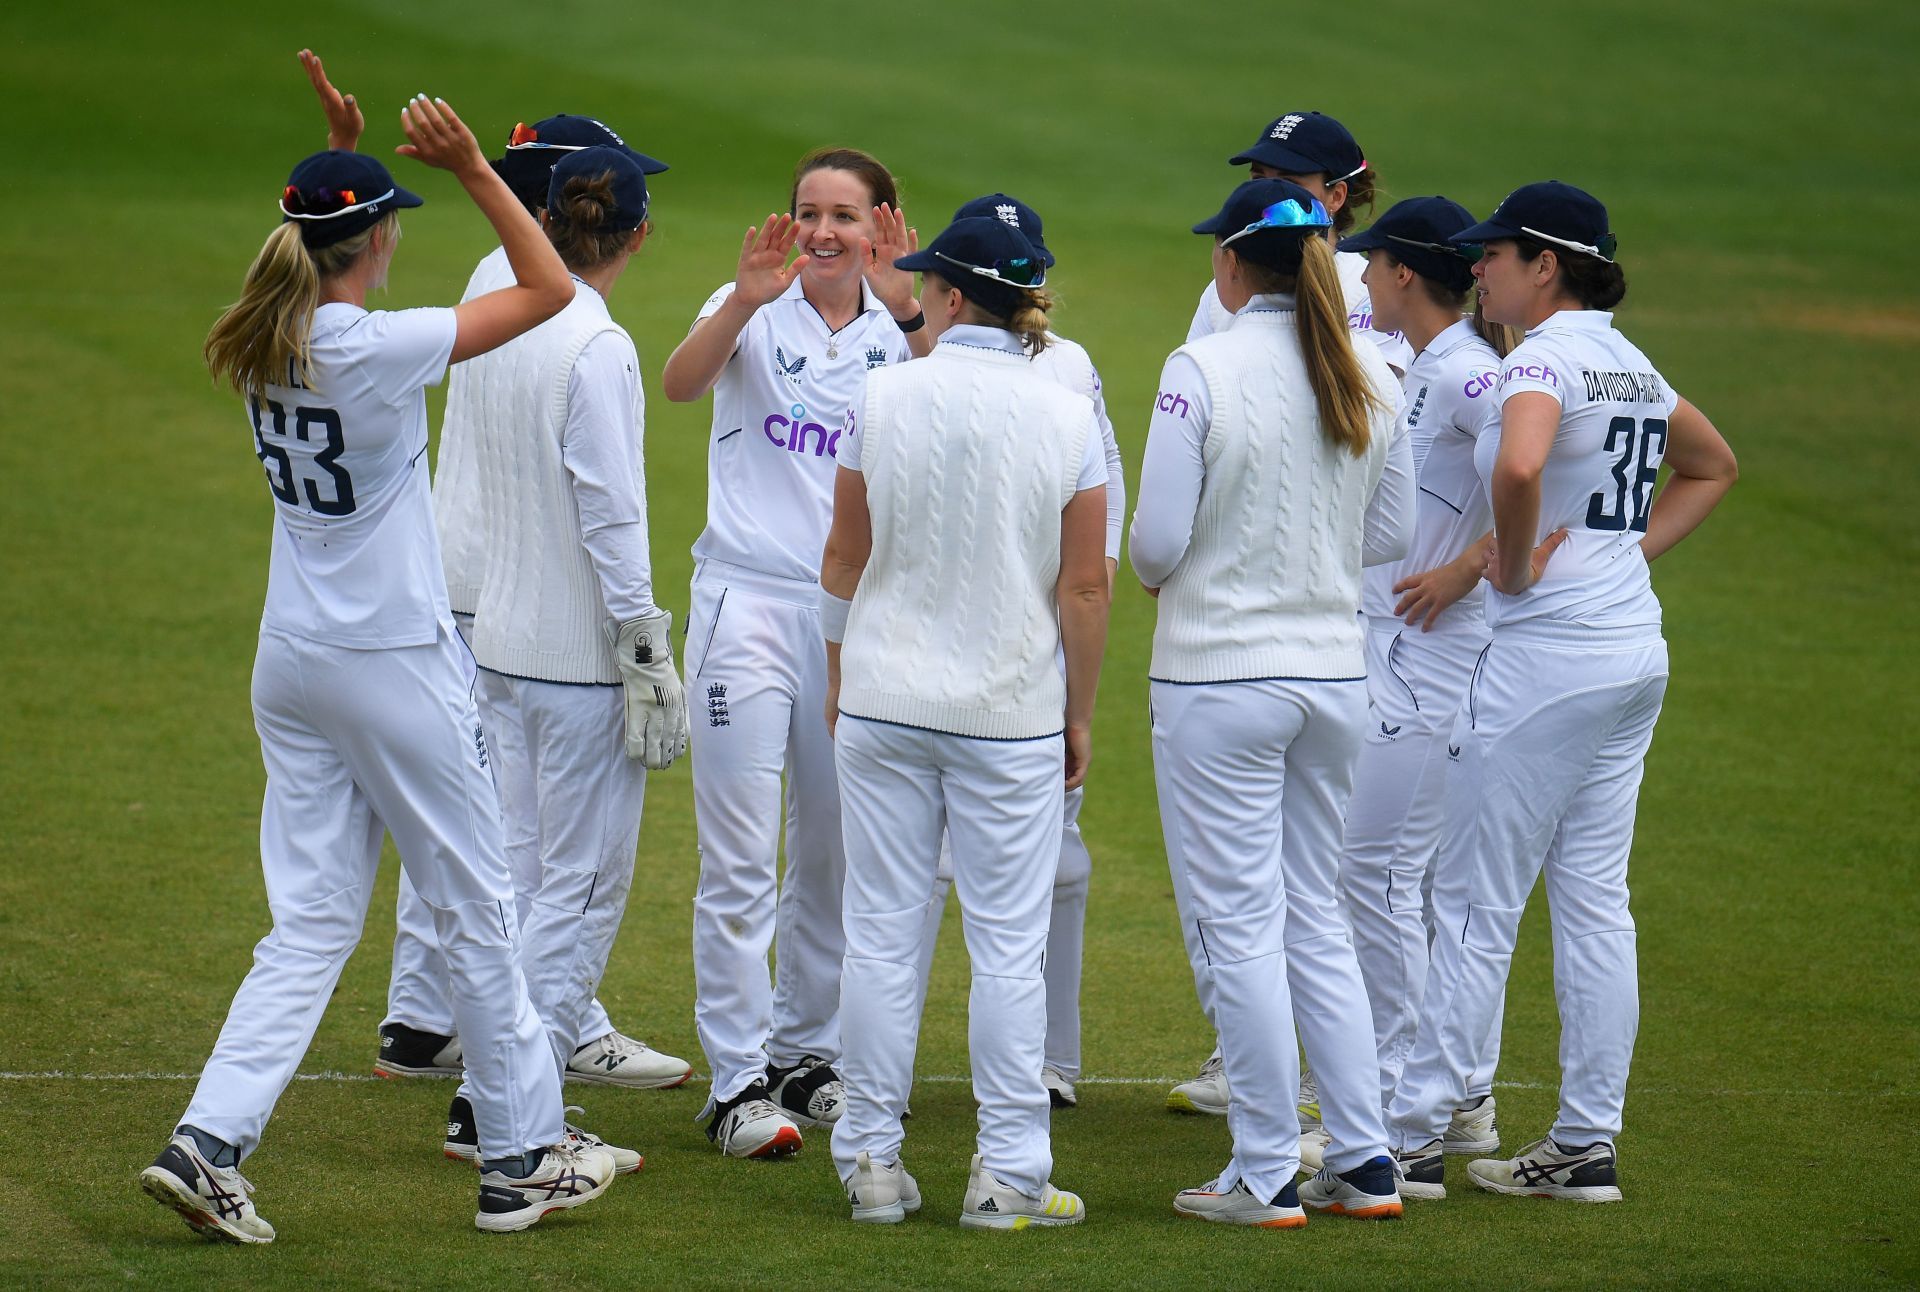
x=1021, y=272
x=1286, y=214
x=324, y=203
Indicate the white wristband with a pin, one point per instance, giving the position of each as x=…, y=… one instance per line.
x=833, y=615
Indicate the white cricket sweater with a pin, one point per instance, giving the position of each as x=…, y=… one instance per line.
x=456, y=495
x=1269, y=585
x=541, y=610
x=969, y=458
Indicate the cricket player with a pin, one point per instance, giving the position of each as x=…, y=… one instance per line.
x=1550, y=746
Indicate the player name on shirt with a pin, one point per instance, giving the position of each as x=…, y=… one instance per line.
x=1625, y=387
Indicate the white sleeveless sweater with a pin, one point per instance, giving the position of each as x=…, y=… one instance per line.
x=1270, y=583
x=969, y=458
x=540, y=612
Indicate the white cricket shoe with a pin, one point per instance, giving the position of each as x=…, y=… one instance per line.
x=1309, y=1101
x=1472, y=1128
x=810, y=1092
x=1368, y=1192
x=1420, y=1173
x=214, y=1200
x=625, y=1160
x=1240, y=1206
x=1059, y=1087
x=748, y=1125
x=992, y=1204
x=1313, y=1149
x=568, y=1176
x=1206, y=1093
x=1544, y=1169
x=881, y=1195
x=617, y=1060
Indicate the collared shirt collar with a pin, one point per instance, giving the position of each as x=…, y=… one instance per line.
x=980, y=337
x=1585, y=320
x=1267, y=302
x=796, y=290
x=1456, y=334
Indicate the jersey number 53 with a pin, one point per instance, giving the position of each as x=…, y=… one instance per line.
x=1635, y=472
x=279, y=464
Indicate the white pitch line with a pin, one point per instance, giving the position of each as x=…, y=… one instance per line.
x=961, y=1079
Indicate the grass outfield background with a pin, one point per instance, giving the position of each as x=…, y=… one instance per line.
x=1757, y=158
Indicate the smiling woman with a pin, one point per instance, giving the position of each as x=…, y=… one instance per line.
x=785, y=349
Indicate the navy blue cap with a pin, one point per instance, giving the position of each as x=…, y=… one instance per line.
x=1417, y=233
x=1550, y=212
x=1306, y=143
x=1249, y=210
x=334, y=195
x=569, y=133
x=532, y=150
x=629, y=184
x=988, y=260
x=1009, y=210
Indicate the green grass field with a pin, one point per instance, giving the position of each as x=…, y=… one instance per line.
x=1758, y=159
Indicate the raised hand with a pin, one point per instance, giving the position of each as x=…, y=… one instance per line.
x=438, y=138
x=892, y=239
x=763, y=272
x=345, y=123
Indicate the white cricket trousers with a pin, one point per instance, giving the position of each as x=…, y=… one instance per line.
x=358, y=743
x=1066, y=938
x=1000, y=803
x=417, y=991
x=1416, y=682
x=1253, y=779
x=571, y=798
x=1553, y=739
x=756, y=699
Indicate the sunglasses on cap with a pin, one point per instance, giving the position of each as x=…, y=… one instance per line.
x=524, y=136
x=1608, y=243
x=1285, y=214
x=1467, y=251
x=324, y=203
x=1021, y=272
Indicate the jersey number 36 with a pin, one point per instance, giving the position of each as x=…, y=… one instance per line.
x=1635, y=472
x=279, y=465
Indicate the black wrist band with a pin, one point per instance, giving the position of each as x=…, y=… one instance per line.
x=914, y=324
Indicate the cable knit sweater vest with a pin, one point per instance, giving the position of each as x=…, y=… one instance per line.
x=969, y=458
x=540, y=613
x=1270, y=584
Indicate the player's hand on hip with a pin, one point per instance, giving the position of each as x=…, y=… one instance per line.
x=763, y=272
x=892, y=239
x=1541, y=555
x=656, y=703
x=1079, y=754
x=437, y=137
x=345, y=124
x=1425, y=595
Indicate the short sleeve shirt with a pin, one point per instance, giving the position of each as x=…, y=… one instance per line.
x=778, y=411
x=1599, y=479
x=356, y=561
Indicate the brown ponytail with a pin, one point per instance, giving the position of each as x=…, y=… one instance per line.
x=580, y=233
x=1029, y=320
x=1503, y=337
x=265, y=336
x=1346, y=398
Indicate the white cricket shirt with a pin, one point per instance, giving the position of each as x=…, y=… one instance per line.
x=1067, y=363
x=1450, y=398
x=1600, y=475
x=456, y=496
x=355, y=559
x=778, y=410
x=1211, y=316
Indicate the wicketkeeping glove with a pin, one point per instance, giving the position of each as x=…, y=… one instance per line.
x=656, y=703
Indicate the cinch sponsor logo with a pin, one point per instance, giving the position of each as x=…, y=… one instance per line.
x=1480, y=382
x=1172, y=403
x=1537, y=371
x=794, y=434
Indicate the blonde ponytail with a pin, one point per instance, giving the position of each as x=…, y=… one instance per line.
x=265, y=336
x=1503, y=337
x=1346, y=398
x=1029, y=320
